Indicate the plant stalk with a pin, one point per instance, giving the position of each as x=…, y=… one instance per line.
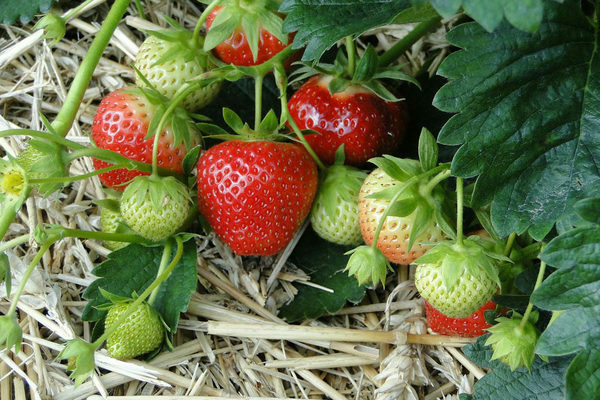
x=459, y=211
x=14, y=242
x=164, y=262
x=25, y=277
x=66, y=116
x=538, y=282
x=351, y=50
x=403, y=45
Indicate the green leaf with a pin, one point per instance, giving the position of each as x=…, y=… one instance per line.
x=446, y=8
x=321, y=23
x=428, y=150
x=10, y=10
x=324, y=262
x=578, y=246
x=528, y=114
x=488, y=13
x=132, y=269
x=419, y=13
x=589, y=209
x=571, y=332
x=190, y=159
x=524, y=14
x=571, y=287
x=583, y=376
x=545, y=381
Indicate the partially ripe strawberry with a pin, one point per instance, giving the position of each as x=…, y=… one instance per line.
x=458, y=278
x=334, y=215
x=395, y=233
x=167, y=66
x=141, y=333
x=121, y=125
x=357, y=118
x=255, y=194
x=235, y=48
x=155, y=207
x=472, y=326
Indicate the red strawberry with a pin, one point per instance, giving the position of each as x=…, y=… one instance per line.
x=255, y=194
x=121, y=124
x=236, y=49
x=472, y=326
x=366, y=124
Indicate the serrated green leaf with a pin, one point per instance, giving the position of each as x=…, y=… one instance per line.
x=525, y=15
x=419, y=13
x=576, y=247
x=571, y=332
x=527, y=114
x=589, y=209
x=582, y=376
x=488, y=13
x=544, y=381
x=321, y=23
x=132, y=269
x=446, y=8
x=11, y=10
x=571, y=287
x=324, y=262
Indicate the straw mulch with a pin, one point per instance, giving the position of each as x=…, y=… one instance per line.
x=235, y=297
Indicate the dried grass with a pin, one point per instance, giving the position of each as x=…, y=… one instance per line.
x=227, y=345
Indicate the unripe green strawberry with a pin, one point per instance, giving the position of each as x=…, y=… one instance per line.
x=458, y=278
x=109, y=222
x=334, y=215
x=395, y=234
x=168, y=64
x=155, y=207
x=141, y=332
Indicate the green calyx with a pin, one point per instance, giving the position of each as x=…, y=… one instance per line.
x=513, y=344
x=367, y=74
x=249, y=15
x=342, y=181
x=42, y=160
x=81, y=359
x=454, y=260
x=11, y=334
x=268, y=129
x=158, y=190
x=54, y=27
x=368, y=265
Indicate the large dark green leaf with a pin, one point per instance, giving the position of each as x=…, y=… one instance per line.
x=324, y=262
x=132, y=269
x=321, y=23
x=528, y=117
x=575, y=330
x=11, y=10
x=583, y=376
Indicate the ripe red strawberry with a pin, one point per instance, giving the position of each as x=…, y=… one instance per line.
x=167, y=64
x=472, y=326
x=121, y=125
x=235, y=49
x=395, y=233
x=255, y=194
x=364, y=123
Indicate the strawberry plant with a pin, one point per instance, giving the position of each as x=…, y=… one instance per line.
x=515, y=153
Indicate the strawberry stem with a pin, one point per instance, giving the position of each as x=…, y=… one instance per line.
x=164, y=262
x=155, y=284
x=459, y=211
x=200, y=22
x=42, y=135
x=538, y=282
x=403, y=45
x=75, y=178
x=509, y=244
x=66, y=116
x=351, y=50
x=76, y=10
x=258, y=87
x=282, y=81
x=14, y=242
x=26, y=275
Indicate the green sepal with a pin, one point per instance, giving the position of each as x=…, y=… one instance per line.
x=211, y=129
x=403, y=207
x=83, y=354
x=400, y=169
x=115, y=299
x=269, y=124
x=5, y=273
x=233, y=120
x=221, y=28
x=381, y=91
x=110, y=204
x=251, y=28
x=191, y=158
x=54, y=27
x=155, y=188
x=366, y=66
x=11, y=334
x=470, y=257
x=368, y=265
x=423, y=217
x=428, y=150
x=513, y=345
x=337, y=85
x=343, y=181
